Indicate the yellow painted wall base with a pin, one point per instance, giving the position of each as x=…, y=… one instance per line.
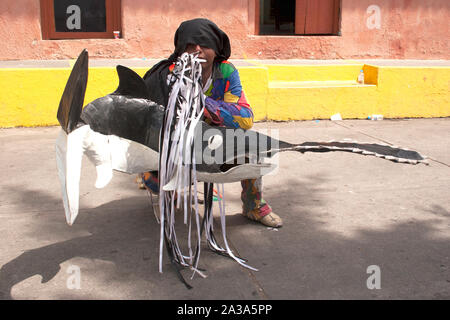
x=30, y=97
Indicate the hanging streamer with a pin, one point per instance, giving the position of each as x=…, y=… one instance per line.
x=177, y=171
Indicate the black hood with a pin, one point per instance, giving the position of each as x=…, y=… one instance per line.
x=197, y=31
x=204, y=33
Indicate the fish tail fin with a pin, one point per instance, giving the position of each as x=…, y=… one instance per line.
x=72, y=100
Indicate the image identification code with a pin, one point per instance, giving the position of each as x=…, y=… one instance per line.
x=246, y=309
x=232, y=309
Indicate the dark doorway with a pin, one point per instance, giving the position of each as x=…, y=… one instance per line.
x=299, y=17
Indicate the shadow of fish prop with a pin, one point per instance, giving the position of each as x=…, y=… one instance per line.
x=123, y=131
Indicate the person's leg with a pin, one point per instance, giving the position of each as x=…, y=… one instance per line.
x=253, y=205
x=151, y=181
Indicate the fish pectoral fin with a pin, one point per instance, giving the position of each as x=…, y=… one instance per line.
x=104, y=175
x=98, y=150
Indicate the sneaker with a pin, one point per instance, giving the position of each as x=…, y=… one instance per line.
x=271, y=220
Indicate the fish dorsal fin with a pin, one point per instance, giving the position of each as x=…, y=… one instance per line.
x=130, y=84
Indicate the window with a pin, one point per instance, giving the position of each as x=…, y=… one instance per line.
x=80, y=19
x=302, y=17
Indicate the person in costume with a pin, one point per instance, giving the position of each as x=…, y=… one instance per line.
x=225, y=102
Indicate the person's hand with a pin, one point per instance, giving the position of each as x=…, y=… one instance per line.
x=211, y=112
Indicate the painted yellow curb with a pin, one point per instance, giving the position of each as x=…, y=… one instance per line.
x=30, y=97
x=318, y=92
x=313, y=72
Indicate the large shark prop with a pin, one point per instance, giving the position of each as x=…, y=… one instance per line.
x=125, y=131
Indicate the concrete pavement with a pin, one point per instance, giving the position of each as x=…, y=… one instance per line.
x=342, y=214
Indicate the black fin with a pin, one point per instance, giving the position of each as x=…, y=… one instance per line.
x=71, y=103
x=130, y=84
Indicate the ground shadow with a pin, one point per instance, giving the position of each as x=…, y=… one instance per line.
x=303, y=260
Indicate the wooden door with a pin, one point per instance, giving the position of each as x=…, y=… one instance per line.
x=317, y=16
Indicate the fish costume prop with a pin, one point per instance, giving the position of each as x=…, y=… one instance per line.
x=128, y=132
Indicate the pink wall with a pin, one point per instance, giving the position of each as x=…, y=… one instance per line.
x=410, y=29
